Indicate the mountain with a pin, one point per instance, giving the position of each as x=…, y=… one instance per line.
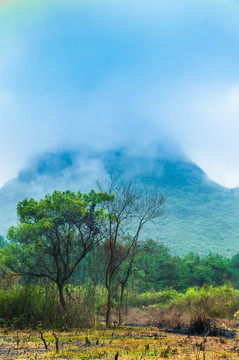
x=200, y=215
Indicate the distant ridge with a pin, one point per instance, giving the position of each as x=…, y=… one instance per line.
x=201, y=215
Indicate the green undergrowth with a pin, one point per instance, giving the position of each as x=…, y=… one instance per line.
x=22, y=306
x=217, y=302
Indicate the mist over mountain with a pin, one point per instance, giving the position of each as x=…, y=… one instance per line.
x=200, y=215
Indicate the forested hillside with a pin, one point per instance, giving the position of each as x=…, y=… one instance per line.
x=200, y=215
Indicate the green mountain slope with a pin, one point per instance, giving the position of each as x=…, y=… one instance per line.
x=200, y=216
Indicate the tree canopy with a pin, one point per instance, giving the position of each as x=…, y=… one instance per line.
x=54, y=234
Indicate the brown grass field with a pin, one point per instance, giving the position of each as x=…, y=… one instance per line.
x=128, y=343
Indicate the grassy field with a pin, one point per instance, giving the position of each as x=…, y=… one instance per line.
x=129, y=343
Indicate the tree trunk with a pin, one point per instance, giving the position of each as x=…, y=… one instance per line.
x=108, y=308
x=94, y=311
x=62, y=299
x=121, y=302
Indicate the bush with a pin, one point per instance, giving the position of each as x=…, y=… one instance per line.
x=209, y=301
x=161, y=298
x=204, y=304
x=29, y=305
x=23, y=305
x=196, y=307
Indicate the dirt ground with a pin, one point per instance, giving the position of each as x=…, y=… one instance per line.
x=128, y=343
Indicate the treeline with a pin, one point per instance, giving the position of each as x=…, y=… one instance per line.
x=156, y=269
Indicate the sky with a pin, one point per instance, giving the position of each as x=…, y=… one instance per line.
x=101, y=74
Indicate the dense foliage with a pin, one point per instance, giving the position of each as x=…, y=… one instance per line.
x=156, y=268
x=158, y=279
x=2, y=241
x=54, y=235
x=75, y=257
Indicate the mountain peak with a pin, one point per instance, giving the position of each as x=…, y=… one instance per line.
x=200, y=214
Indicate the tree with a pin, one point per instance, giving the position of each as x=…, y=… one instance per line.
x=55, y=234
x=210, y=269
x=155, y=267
x=2, y=241
x=233, y=267
x=125, y=271
x=131, y=209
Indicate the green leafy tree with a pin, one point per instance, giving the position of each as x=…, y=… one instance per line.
x=55, y=234
x=234, y=270
x=2, y=242
x=218, y=267
x=155, y=268
x=210, y=269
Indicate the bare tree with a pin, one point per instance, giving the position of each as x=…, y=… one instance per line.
x=127, y=215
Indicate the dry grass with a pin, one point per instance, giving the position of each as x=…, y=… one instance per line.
x=153, y=316
x=130, y=343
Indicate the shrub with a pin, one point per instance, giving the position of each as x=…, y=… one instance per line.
x=203, y=304
x=161, y=298
x=23, y=305
x=28, y=305
x=217, y=302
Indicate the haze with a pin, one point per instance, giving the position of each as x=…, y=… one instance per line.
x=104, y=74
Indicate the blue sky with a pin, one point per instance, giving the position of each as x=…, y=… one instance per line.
x=108, y=73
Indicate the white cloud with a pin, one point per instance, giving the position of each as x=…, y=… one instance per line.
x=177, y=82
x=204, y=118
